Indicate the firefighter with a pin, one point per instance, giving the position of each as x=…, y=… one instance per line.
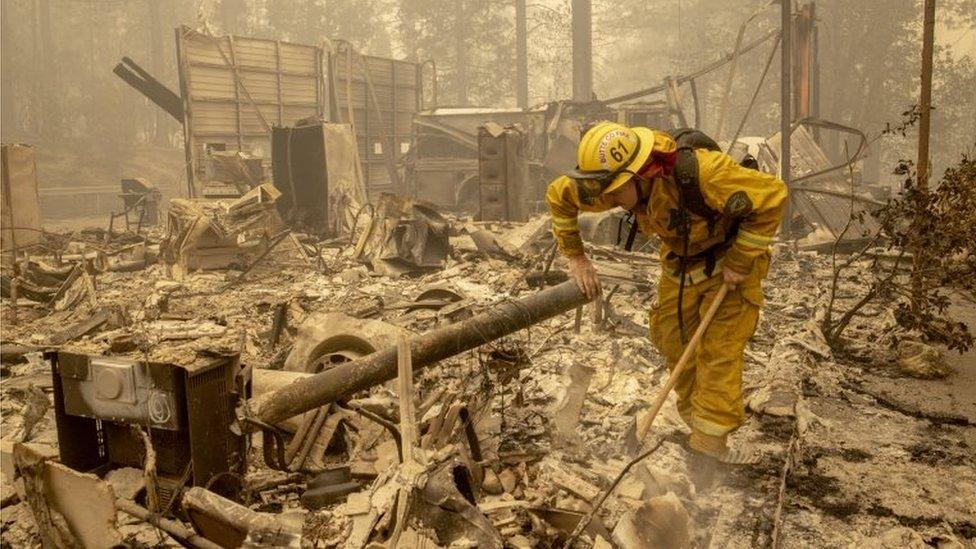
x=716, y=221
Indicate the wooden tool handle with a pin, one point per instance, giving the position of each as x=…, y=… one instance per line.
x=645, y=424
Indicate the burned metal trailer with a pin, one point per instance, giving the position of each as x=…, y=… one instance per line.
x=235, y=88
x=495, y=163
x=378, y=96
x=447, y=161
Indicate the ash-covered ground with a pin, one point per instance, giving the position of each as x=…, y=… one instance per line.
x=855, y=451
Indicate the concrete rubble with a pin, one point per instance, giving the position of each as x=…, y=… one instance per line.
x=509, y=444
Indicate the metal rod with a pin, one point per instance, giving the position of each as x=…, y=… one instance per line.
x=184, y=72
x=786, y=112
x=755, y=94
x=503, y=319
x=237, y=91
x=727, y=94
x=713, y=66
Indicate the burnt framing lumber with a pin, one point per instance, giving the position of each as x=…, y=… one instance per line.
x=503, y=319
x=157, y=92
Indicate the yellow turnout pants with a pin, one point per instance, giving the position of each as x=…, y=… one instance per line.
x=710, y=388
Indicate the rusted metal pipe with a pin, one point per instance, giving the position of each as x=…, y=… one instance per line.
x=503, y=319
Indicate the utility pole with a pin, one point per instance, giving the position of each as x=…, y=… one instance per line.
x=521, y=56
x=461, y=31
x=582, y=51
x=925, y=100
x=156, y=55
x=785, y=115
x=803, y=61
x=806, y=66
x=922, y=167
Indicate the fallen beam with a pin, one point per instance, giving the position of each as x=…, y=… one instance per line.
x=154, y=90
x=501, y=320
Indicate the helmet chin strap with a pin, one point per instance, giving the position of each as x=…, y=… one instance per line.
x=643, y=197
x=643, y=191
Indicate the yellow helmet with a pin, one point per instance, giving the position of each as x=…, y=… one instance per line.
x=609, y=154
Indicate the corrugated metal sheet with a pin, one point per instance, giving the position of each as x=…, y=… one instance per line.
x=824, y=199
x=397, y=96
x=236, y=87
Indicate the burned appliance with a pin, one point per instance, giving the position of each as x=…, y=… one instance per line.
x=316, y=167
x=503, y=173
x=102, y=403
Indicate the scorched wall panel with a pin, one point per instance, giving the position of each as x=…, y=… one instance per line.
x=382, y=96
x=236, y=88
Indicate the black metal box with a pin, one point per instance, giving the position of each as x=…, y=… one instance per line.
x=189, y=413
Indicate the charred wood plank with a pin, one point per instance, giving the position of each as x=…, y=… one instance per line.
x=157, y=92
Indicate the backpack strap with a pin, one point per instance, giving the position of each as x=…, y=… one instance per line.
x=689, y=188
x=690, y=199
x=696, y=139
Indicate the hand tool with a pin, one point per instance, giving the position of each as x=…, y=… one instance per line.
x=637, y=431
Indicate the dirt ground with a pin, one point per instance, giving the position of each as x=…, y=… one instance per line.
x=886, y=456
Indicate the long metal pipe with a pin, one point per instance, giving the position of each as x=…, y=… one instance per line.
x=501, y=320
x=786, y=107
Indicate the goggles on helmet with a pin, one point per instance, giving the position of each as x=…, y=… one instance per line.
x=593, y=183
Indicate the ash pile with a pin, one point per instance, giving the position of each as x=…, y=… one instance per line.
x=143, y=374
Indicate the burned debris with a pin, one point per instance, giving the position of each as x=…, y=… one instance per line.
x=357, y=315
